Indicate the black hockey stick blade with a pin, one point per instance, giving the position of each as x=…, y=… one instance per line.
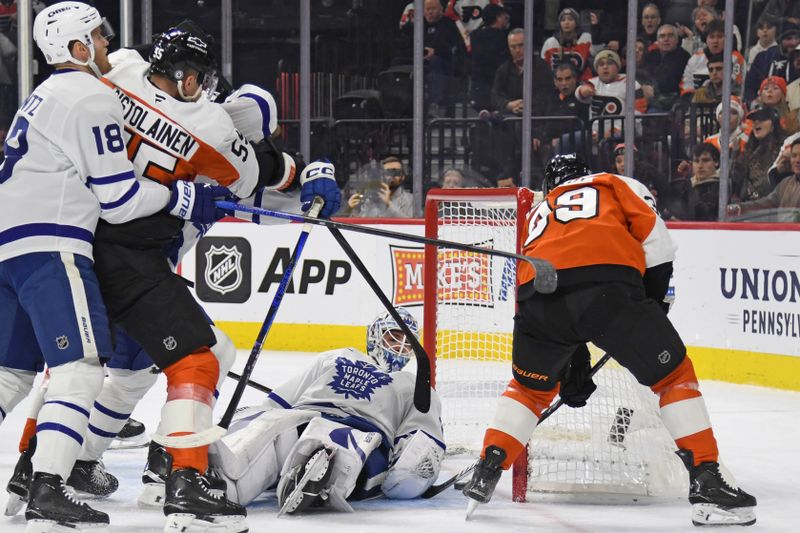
x=255, y=384
x=422, y=387
x=433, y=490
x=545, y=282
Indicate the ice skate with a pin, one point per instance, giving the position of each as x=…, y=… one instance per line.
x=190, y=505
x=89, y=479
x=158, y=467
x=484, y=480
x=132, y=435
x=54, y=508
x=304, y=485
x=715, y=497
x=17, y=487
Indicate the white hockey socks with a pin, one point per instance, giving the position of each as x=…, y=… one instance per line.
x=14, y=386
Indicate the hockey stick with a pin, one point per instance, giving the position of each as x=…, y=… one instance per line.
x=422, y=387
x=255, y=384
x=270, y=318
x=546, y=278
x=433, y=490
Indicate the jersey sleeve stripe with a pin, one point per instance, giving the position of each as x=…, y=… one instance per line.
x=280, y=401
x=124, y=198
x=113, y=178
x=265, y=112
x=45, y=229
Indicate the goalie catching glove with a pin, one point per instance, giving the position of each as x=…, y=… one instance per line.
x=318, y=179
x=577, y=385
x=196, y=201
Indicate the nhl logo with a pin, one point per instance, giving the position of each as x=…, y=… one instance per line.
x=62, y=342
x=223, y=272
x=664, y=357
x=170, y=343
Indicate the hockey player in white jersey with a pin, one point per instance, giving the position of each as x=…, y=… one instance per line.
x=359, y=432
x=65, y=169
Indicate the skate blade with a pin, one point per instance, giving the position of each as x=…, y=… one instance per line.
x=14, y=504
x=51, y=526
x=319, y=464
x=138, y=441
x=151, y=496
x=709, y=515
x=189, y=523
x=471, y=506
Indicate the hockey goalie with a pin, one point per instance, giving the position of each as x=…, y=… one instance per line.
x=345, y=429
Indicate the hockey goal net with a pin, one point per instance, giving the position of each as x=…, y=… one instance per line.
x=615, y=446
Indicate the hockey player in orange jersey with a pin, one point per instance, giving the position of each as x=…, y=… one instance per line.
x=614, y=259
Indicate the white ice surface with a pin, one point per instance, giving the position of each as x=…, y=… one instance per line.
x=758, y=430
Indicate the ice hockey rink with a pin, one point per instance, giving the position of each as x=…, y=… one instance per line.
x=758, y=430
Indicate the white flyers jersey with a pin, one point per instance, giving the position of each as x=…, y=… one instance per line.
x=65, y=167
x=346, y=385
x=171, y=140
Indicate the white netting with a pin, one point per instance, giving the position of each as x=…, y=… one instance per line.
x=614, y=445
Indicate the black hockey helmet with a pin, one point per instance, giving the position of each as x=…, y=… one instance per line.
x=561, y=168
x=181, y=48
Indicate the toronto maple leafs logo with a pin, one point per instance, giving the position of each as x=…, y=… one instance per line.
x=357, y=379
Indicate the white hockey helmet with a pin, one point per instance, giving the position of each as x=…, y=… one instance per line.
x=386, y=342
x=59, y=24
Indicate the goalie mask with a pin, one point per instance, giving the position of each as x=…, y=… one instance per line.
x=386, y=342
x=181, y=49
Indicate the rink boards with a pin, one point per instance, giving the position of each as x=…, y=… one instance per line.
x=736, y=287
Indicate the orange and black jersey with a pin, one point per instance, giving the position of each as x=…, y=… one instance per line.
x=599, y=227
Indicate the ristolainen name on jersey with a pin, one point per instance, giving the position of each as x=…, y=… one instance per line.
x=156, y=128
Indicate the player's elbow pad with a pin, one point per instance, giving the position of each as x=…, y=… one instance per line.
x=277, y=170
x=415, y=469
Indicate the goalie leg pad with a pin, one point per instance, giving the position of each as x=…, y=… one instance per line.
x=121, y=391
x=249, y=457
x=14, y=386
x=414, y=468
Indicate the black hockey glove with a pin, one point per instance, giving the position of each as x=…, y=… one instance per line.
x=577, y=385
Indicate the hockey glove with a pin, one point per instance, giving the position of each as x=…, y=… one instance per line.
x=195, y=201
x=318, y=179
x=577, y=385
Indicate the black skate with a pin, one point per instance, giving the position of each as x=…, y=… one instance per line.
x=132, y=435
x=189, y=502
x=51, y=506
x=17, y=487
x=154, y=477
x=716, y=499
x=484, y=480
x=90, y=480
x=304, y=485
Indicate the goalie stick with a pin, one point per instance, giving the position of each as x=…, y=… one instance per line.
x=545, y=282
x=255, y=384
x=270, y=318
x=433, y=490
x=422, y=386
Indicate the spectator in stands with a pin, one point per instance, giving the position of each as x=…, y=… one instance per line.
x=643, y=75
x=793, y=88
x=392, y=199
x=452, y=178
x=489, y=51
x=696, y=71
x=702, y=201
x=569, y=44
x=469, y=15
x=651, y=20
x=694, y=40
x=785, y=196
x=750, y=175
x=606, y=94
x=507, y=86
x=773, y=62
x=711, y=90
x=773, y=94
x=766, y=29
x=642, y=170
x=442, y=42
x=666, y=65
x=564, y=103
x=739, y=128
x=606, y=32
